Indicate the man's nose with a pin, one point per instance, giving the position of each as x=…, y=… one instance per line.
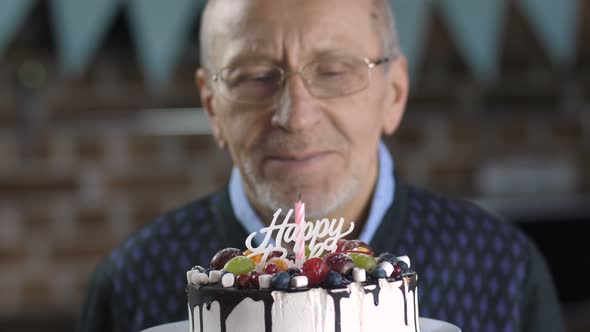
x=297, y=108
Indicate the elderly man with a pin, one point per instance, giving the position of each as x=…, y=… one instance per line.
x=300, y=92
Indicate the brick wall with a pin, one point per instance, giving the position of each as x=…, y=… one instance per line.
x=64, y=208
x=78, y=174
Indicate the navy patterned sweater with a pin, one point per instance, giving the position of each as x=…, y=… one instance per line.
x=475, y=271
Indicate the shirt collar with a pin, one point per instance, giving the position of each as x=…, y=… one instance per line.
x=382, y=199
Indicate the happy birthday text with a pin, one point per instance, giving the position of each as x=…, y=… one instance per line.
x=330, y=231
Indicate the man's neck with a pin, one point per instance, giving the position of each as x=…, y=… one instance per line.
x=357, y=210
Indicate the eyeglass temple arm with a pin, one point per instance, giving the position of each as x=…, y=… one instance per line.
x=380, y=61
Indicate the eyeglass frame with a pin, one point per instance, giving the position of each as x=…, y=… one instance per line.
x=216, y=77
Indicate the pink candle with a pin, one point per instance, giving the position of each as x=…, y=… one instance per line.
x=300, y=220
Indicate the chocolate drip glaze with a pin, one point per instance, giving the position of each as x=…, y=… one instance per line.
x=412, y=286
x=375, y=291
x=409, y=284
x=336, y=296
x=229, y=298
x=402, y=288
x=412, y=281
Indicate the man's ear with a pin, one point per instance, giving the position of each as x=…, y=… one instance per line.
x=399, y=84
x=206, y=93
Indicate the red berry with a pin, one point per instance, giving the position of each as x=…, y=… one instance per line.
x=340, y=244
x=223, y=256
x=339, y=262
x=274, y=253
x=316, y=270
x=271, y=268
x=254, y=279
x=331, y=254
x=397, y=271
x=243, y=280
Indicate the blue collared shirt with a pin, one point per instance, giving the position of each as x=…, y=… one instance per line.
x=382, y=200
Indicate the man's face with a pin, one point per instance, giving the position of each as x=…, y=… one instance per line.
x=322, y=148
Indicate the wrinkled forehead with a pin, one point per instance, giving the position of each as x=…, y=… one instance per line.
x=291, y=30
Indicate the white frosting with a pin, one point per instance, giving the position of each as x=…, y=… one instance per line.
x=210, y=318
x=314, y=311
x=246, y=308
x=304, y=311
x=191, y=328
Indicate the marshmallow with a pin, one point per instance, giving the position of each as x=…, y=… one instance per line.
x=299, y=281
x=359, y=275
x=188, y=276
x=228, y=279
x=264, y=281
x=197, y=278
x=406, y=259
x=214, y=276
x=198, y=268
x=387, y=267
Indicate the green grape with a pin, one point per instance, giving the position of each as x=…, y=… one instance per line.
x=363, y=261
x=239, y=265
x=321, y=254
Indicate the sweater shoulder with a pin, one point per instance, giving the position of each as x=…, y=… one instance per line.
x=177, y=221
x=465, y=222
x=152, y=263
x=185, y=229
x=424, y=201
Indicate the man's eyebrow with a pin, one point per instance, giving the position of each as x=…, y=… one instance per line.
x=258, y=53
x=321, y=53
x=250, y=51
x=248, y=57
x=335, y=45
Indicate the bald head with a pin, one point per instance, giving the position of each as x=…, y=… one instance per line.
x=385, y=24
x=215, y=21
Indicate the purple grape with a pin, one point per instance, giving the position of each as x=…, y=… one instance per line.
x=339, y=262
x=223, y=256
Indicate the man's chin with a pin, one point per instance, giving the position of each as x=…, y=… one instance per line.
x=318, y=204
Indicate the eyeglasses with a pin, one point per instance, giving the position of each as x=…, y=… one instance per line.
x=262, y=83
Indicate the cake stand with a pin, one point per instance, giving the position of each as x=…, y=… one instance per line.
x=426, y=325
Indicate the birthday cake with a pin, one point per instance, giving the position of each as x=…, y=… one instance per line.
x=331, y=285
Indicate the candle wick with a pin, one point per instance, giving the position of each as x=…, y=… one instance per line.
x=299, y=196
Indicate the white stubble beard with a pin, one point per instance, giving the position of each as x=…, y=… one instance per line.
x=316, y=207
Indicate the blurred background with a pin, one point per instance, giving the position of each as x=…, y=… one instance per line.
x=100, y=131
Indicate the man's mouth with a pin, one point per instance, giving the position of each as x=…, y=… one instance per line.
x=296, y=160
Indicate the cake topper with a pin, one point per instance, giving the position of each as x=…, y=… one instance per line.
x=299, y=233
